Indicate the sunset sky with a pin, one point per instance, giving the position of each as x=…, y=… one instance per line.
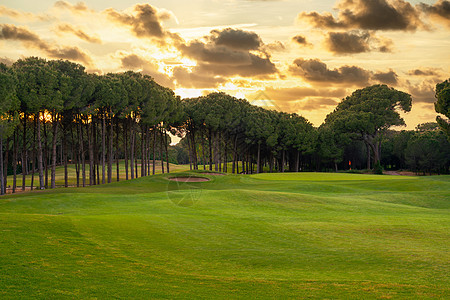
x=304, y=55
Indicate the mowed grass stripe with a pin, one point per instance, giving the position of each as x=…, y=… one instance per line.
x=235, y=236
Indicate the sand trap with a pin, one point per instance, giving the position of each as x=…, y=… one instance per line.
x=400, y=173
x=189, y=179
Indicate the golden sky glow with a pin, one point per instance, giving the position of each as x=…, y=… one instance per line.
x=304, y=55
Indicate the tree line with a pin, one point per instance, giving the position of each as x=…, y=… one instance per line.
x=93, y=120
x=53, y=112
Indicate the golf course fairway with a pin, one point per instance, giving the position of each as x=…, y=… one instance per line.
x=275, y=236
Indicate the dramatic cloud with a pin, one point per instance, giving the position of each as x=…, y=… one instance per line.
x=22, y=16
x=32, y=40
x=145, y=21
x=356, y=42
x=368, y=14
x=348, y=42
x=67, y=28
x=301, y=40
x=423, y=92
x=390, y=77
x=316, y=71
x=276, y=46
x=220, y=54
x=78, y=8
x=236, y=39
x=424, y=72
x=439, y=11
x=134, y=62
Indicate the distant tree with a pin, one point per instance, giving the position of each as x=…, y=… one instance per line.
x=428, y=151
x=442, y=105
x=37, y=87
x=368, y=113
x=260, y=129
x=8, y=105
x=331, y=144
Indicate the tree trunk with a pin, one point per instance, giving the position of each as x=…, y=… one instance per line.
x=368, y=155
x=33, y=155
x=24, y=151
x=75, y=156
x=55, y=131
x=271, y=162
x=210, y=150
x=376, y=153
x=225, y=156
x=14, y=161
x=2, y=182
x=258, y=162
x=131, y=150
x=203, y=151
x=46, y=160
x=216, y=152
x=194, y=149
x=96, y=154
x=161, y=151
x=148, y=151
x=167, y=153
x=135, y=158
x=233, y=168
x=82, y=156
x=5, y=167
x=65, y=158
x=125, y=147
x=103, y=149
x=143, y=163
x=91, y=141
x=190, y=150
x=117, y=149
x=40, y=165
x=297, y=162
x=154, y=150
x=283, y=158
x=219, y=151
x=110, y=154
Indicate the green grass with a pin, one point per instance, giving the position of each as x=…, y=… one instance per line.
x=303, y=235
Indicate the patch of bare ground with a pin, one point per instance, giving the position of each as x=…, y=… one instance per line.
x=400, y=173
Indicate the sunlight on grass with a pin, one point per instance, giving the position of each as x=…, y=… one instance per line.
x=236, y=236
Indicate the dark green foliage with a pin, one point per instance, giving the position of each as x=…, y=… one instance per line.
x=442, y=105
x=378, y=169
x=368, y=113
x=100, y=119
x=428, y=151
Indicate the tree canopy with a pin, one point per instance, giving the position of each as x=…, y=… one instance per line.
x=442, y=105
x=53, y=112
x=369, y=112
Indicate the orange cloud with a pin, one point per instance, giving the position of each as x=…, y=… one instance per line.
x=67, y=28
x=32, y=40
x=368, y=14
x=145, y=21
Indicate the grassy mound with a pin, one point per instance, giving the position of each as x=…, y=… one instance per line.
x=249, y=236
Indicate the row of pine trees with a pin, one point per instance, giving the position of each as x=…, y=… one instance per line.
x=54, y=112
